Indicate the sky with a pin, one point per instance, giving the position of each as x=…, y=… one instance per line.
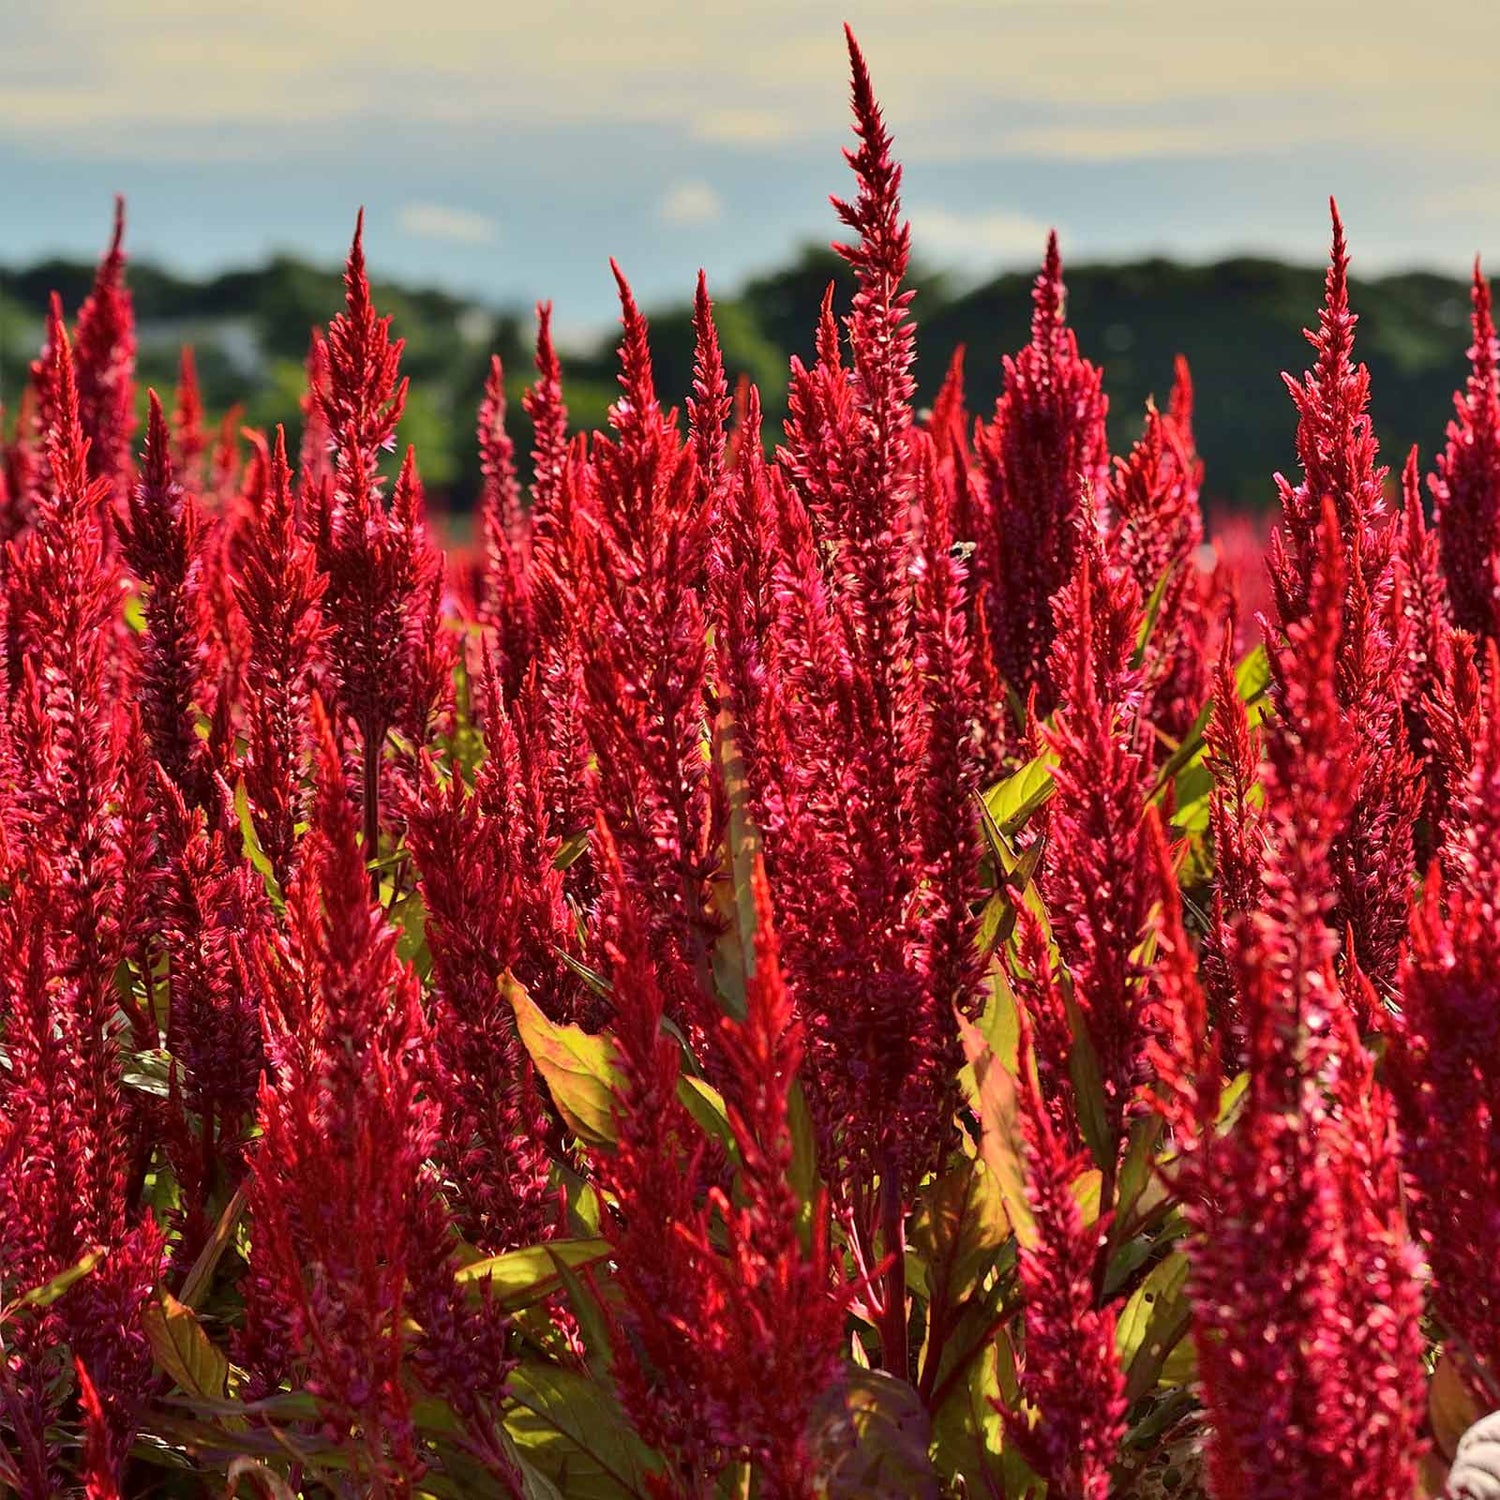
x=506, y=148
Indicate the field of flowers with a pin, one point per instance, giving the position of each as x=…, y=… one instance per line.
x=856, y=970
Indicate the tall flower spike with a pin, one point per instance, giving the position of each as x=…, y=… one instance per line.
x=642, y=563
x=708, y=407
x=505, y=594
x=383, y=571
x=189, y=440
x=1373, y=853
x=1070, y=1374
x=1096, y=878
x=1157, y=531
x=345, y=1132
x=494, y=905
x=1296, y=1209
x=160, y=537
x=1445, y=1056
x=278, y=587
x=104, y=357
x=1466, y=487
x=1048, y=430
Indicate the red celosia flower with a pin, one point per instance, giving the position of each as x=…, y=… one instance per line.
x=1444, y=1052
x=1096, y=878
x=71, y=881
x=1070, y=1375
x=211, y=909
x=337, y=1186
x=1301, y=1243
x=1466, y=487
x=189, y=443
x=641, y=566
x=384, y=576
x=505, y=596
x=1047, y=433
x=160, y=535
x=729, y=1327
x=494, y=902
x=104, y=359
x=1373, y=851
x=278, y=587
x=1231, y=751
x=1158, y=533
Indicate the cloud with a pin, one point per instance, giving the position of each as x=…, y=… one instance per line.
x=691, y=203
x=978, y=240
x=438, y=221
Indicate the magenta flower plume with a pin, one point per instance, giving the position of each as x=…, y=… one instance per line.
x=161, y=543
x=1443, y=1060
x=1096, y=878
x=1466, y=487
x=384, y=575
x=345, y=1133
x=278, y=588
x=104, y=358
x=505, y=593
x=1157, y=533
x=1070, y=1376
x=1297, y=1206
x=495, y=905
x=212, y=912
x=664, y=1324
x=189, y=441
x=1048, y=430
x=643, y=563
x=70, y=869
x=1373, y=853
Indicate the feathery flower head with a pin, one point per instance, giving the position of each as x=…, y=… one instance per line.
x=1047, y=435
x=1466, y=487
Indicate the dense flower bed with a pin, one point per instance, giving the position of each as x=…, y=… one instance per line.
x=856, y=971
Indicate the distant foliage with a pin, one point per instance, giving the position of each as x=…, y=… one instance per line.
x=883, y=968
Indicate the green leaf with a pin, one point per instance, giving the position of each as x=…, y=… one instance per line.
x=705, y=1104
x=1001, y=1142
x=959, y=1224
x=202, y=1271
x=579, y=1068
x=1151, y=614
x=48, y=1293
x=968, y=1432
x=1012, y=801
x=519, y=1278
x=183, y=1349
x=250, y=838
x=571, y=848
x=802, y=1175
x=571, y=1430
x=870, y=1440
x=1088, y=1088
x=1152, y=1323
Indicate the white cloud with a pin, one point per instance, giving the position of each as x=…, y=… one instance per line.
x=978, y=240
x=691, y=203
x=438, y=221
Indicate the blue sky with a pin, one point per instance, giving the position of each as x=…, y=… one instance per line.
x=508, y=149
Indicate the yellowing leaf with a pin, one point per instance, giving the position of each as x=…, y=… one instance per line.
x=48, y=1293
x=1000, y=1142
x=580, y=1069
x=519, y=1278
x=959, y=1224
x=183, y=1349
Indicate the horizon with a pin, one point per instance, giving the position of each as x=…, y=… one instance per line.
x=498, y=165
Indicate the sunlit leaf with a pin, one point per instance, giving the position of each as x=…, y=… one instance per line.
x=518, y=1278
